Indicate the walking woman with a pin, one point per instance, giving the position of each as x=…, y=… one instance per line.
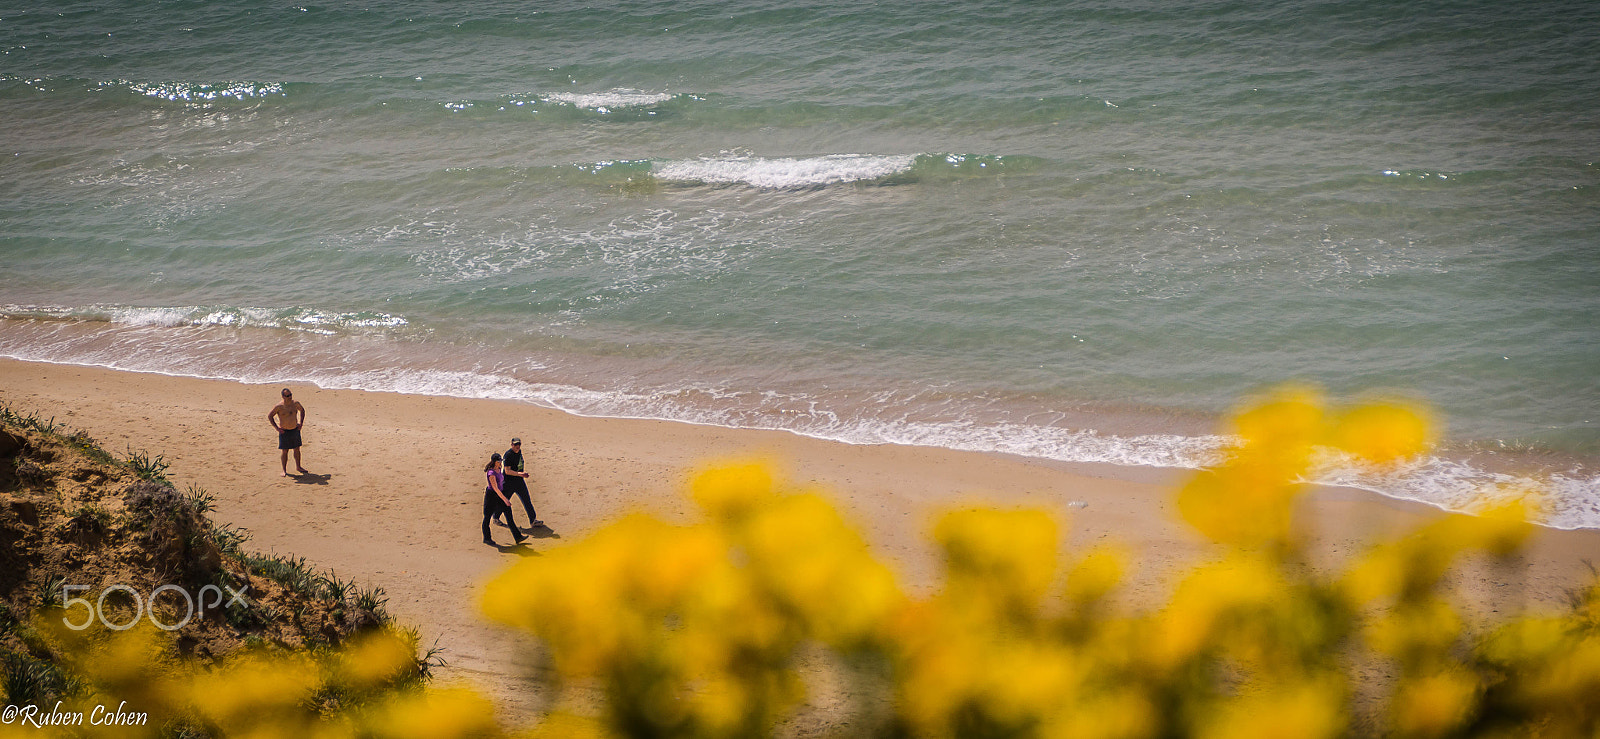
x=496, y=502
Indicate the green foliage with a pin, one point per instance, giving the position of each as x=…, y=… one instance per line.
x=375, y=601
x=47, y=593
x=431, y=660
x=83, y=442
x=31, y=421
x=198, y=500
x=89, y=517
x=333, y=589
x=289, y=571
x=248, y=614
x=229, y=540
x=30, y=681
x=154, y=468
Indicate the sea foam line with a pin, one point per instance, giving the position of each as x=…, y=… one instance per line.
x=598, y=102
x=784, y=172
x=604, y=102
x=1564, y=501
x=195, y=315
x=199, y=91
x=1569, y=501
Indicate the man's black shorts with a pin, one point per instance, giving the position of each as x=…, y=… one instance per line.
x=289, y=439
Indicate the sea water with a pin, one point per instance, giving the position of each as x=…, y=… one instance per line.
x=1077, y=231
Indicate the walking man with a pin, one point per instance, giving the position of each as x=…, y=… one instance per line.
x=287, y=417
x=517, y=480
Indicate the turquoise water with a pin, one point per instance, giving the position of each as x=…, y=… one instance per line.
x=1074, y=231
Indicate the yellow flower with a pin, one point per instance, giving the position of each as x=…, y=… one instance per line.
x=1116, y=714
x=1380, y=574
x=1497, y=526
x=443, y=713
x=1418, y=630
x=1025, y=679
x=1095, y=575
x=1242, y=584
x=719, y=704
x=1568, y=682
x=1294, y=711
x=375, y=658
x=817, y=566
x=1284, y=425
x=1248, y=500
x=564, y=725
x=1412, y=567
x=730, y=492
x=1434, y=704
x=1382, y=432
x=1242, y=504
x=246, y=689
x=1527, y=642
x=1006, y=555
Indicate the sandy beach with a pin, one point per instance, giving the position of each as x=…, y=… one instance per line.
x=395, y=497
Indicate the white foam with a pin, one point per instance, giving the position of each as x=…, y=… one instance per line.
x=152, y=316
x=191, y=91
x=195, y=315
x=454, y=384
x=809, y=417
x=1065, y=445
x=1563, y=501
x=349, y=320
x=784, y=172
x=1570, y=500
x=605, y=102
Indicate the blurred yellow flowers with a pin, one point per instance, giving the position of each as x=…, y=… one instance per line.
x=696, y=630
x=701, y=629
x=366, y=688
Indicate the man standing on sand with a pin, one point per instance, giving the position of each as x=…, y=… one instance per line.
x=287, y=417
x=517, y=481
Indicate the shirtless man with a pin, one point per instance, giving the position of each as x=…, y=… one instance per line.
x=287, y=417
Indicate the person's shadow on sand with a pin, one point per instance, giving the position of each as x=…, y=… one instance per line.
x=541, y=532
x=519, y=549
x=311, y=478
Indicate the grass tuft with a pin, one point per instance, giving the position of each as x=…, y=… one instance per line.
x=83, y=442
x=149, y=467
x=89, y=517
x=289, y=571
x=229, y=540
x=373, y=600
x=198, y=500
x=334, y=590
x=48, y=593
x=32, y=421
x=29, y=681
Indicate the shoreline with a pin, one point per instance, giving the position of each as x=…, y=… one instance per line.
x=400, y=504
x=1065, y=429
x=1147, y=473
x=1149, y=445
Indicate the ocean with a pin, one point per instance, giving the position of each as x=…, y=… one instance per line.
x=1078, y=231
